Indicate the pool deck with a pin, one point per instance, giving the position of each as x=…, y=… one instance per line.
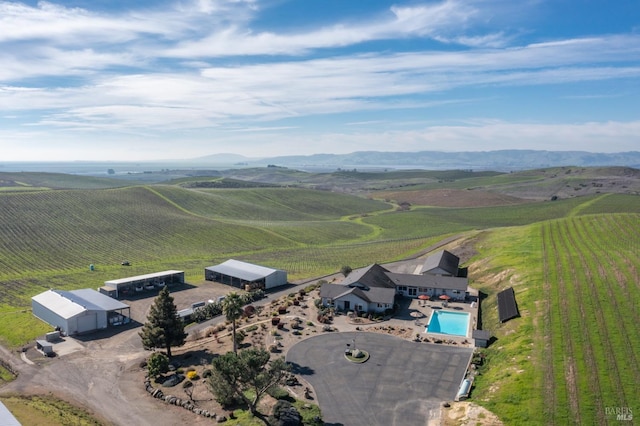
x=414, y=314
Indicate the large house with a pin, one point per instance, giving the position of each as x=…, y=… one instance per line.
x=374, y=288
x=363, y=290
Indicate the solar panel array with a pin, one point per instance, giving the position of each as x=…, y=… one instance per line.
x=507, y=307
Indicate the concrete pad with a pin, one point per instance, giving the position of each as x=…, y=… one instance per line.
x=402, y=384
x=66, y=346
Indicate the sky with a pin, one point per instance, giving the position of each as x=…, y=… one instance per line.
x=179, y=79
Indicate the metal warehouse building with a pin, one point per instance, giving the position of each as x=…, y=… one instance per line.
x=245, y=275
x=79, y=311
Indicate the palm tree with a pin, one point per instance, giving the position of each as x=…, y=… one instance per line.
x=232, y=309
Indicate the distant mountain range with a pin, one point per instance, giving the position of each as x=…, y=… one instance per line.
x=435, y=160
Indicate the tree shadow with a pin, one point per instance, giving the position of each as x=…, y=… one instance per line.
x=302, y=370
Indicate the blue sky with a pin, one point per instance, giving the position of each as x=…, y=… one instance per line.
x=147, y=80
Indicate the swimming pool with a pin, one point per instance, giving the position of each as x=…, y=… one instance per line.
x=449, y=322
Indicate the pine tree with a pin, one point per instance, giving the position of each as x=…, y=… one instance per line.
x=246, y=376
x=164, y=328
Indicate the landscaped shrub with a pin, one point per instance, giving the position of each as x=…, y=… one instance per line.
x=157, y=364
x=206, y=373
x=277, y=392
x=285, y=414
x=192, y=375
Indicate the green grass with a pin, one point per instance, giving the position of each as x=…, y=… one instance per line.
x=47, y=410
x=574, y=350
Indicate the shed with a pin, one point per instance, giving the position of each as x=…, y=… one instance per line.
x=79, y=311
x=45, y=347
x=481, y=338
x=245, y=275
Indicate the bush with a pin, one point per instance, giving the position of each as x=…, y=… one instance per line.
x=192, y=375
x=157, y=364
x=206, y=373
x=249, y=311
x=285, y=414
x=277, y=392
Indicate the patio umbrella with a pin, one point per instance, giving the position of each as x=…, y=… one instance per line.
x=424, y=297
x=416, y=314
x=444, y=297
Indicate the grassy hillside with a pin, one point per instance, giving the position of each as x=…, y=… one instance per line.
x=574, y=351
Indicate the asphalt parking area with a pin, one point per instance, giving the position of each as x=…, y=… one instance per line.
x=402, y=384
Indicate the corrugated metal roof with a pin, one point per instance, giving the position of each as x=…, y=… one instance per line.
x=59, y=304
x=68, y=304
x=6, y=418
x=243, y=270
x=144, y=277
x=98, y=300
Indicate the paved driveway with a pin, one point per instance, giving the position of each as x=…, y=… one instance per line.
x=402, y=384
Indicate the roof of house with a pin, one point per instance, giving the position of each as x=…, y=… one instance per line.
x=370, y=295
x=442, y=282
x=507, y=306
x=68, y=304
x=443, y=260
x=243, y=270
x=370, y=276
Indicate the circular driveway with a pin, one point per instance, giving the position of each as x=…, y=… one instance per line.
x=402, y=384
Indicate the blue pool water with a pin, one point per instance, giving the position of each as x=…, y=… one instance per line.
x=449, y=322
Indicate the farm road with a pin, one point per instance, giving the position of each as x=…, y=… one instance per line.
x=103, y=378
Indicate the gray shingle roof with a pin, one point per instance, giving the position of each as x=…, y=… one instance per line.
x=430, y=281
x=372, y=295
x=370, y=276
x=443, y=260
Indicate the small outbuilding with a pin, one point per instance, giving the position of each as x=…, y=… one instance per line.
x=79, y=311
x=246, y=275
x=45, y=347
x=481, y=338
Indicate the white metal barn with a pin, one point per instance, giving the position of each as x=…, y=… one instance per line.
x=6, y=418
x=245, y=275
x=79, y=311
